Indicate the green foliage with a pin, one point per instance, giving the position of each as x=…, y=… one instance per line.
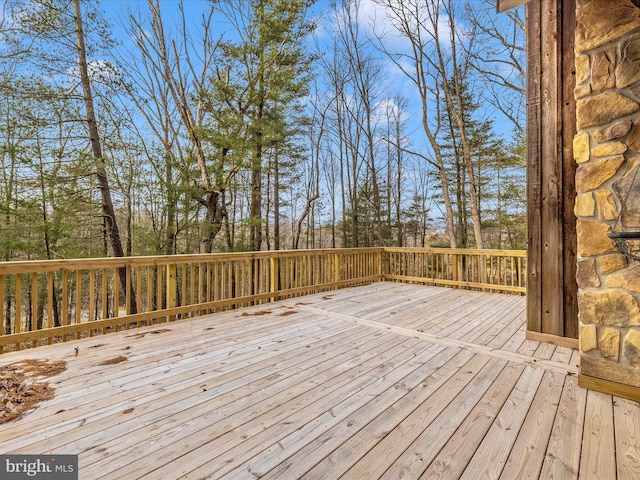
x=499, y=170
x=270, y=138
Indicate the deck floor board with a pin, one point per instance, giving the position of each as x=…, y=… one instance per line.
x=383, y=381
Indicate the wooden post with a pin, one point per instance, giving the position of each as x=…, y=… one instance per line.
x=171, y=289
x=454, y=268
x=50, y=299
x=65, y=298
x=34, y=305
x=139, y=303
x=183, y=291
x=92, y=297
x=192, y=283
x=127, y=295
x=150, y=274
x=273, y=265
x=116, y=294
x=34, y=301
x=336, y=268
x=209, y=286
x=551, y=125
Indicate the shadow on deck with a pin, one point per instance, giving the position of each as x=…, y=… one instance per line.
x=389, y=380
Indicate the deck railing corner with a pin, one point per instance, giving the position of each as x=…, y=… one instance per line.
x=42, y=302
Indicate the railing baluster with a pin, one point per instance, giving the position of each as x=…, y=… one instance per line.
x=183, y=292
x=139, y=297
x=34, y=305
x=50, y=300
x=192, y=284
x=105, y=294
x=150, y=289
x=160, y=292
x=116, y=293
x=64, y=317
x=78, y=297
x=127, y=288
x=171, y=289
x=92, y=296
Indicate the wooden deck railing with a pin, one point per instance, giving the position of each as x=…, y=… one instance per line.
x=42, y=302
x=490, y=270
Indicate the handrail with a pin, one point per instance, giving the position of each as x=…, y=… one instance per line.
x=42, y=302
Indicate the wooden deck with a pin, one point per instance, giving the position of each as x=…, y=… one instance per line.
x=389, y=380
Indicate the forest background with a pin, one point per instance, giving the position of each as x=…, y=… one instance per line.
x=163, y=127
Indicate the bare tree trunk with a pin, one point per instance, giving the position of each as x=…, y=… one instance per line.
x=399, y=153
x=343, y=191
x=178, y=88
x=96, y=148
x=255, y=226
x=416, y=66
x=455, y=107
x=276, y=200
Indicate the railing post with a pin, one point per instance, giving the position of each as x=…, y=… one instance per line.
x=116, y=292
x=483, y=276
x=454, y=268
x=171, y=289
x=127, y=291
x=336, y=267
x=273, y=265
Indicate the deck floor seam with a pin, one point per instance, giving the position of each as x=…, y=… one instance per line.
x=450, y=342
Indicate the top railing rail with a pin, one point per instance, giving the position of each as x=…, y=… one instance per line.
x=42, y=302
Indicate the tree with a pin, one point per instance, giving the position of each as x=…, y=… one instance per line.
x=413, y=21
x=94, y=138
x=159, y=90
x=357, y=96
x=48, y=37
x=183, y=74
x=264, y=76
x=395, y=113
x=498, y=54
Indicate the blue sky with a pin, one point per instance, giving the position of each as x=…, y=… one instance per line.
x=371, y=14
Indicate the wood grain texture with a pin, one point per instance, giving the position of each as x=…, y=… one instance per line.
x=551, y=120
x=534, y=165
x=598, y=460
x=387, y=380
x=224, y=281
x=627, y=431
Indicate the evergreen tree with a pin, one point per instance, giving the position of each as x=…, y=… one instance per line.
x=260, y=81
x=498, y=174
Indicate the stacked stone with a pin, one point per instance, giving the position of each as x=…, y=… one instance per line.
x=607, y=150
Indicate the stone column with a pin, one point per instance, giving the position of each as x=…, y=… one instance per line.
x=607, y=150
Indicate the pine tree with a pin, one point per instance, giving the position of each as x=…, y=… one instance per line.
x=260, y=80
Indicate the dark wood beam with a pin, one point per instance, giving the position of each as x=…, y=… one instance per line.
x=551, y=281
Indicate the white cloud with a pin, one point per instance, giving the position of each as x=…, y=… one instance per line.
x=388, y=110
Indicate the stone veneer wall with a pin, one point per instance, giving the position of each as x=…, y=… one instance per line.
x=607, y=150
